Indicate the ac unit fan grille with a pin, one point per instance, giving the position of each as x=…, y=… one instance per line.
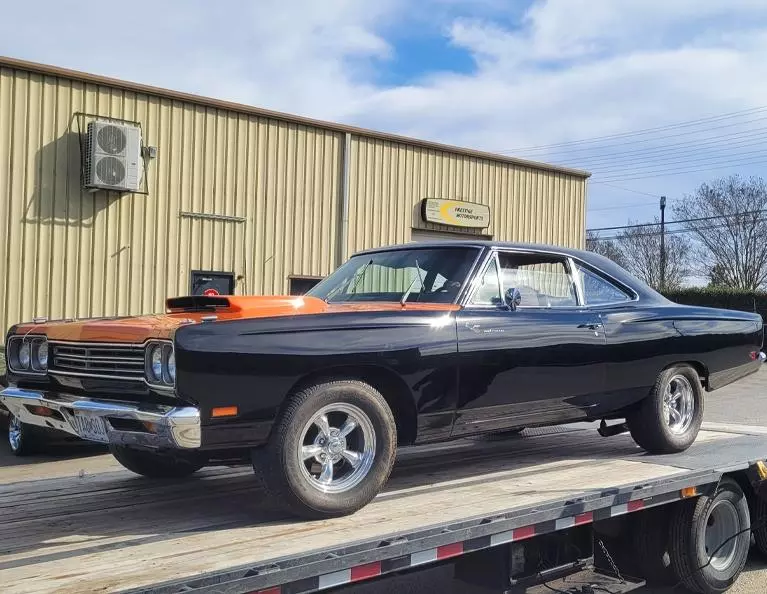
x=111, y=140
x=110, y=170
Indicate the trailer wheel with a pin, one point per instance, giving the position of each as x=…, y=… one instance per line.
x=669, y=418
x=330, y=452
x=759, y=522
x=155, y=464
x=710, y=539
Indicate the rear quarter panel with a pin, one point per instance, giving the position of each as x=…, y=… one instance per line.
x=643, y=341
x=254, y=364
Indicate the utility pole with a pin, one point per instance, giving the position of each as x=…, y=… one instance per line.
x=662, y=242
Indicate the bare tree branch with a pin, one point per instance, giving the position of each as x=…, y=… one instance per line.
x=734, y=239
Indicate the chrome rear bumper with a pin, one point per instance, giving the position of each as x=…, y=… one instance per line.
x=148, y=425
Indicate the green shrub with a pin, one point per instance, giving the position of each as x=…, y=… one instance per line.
x=721, y=297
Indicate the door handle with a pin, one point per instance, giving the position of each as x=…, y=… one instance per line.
x=591, y=326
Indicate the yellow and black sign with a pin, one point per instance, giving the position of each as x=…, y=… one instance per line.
x=456, y=213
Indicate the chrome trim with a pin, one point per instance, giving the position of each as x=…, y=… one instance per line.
x=762, y=357
x=177, y=427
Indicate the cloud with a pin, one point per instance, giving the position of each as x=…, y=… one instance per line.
x=544, y=72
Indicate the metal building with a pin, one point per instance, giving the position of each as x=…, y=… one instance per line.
x=230, y=195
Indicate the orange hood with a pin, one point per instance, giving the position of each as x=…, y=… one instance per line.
x=191, y=310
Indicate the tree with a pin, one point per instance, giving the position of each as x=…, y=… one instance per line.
x=637, y=249
x=604, y=247
x=640, y=248
x=730, y=230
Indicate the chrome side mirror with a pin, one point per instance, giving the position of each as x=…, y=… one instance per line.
x=513, y=298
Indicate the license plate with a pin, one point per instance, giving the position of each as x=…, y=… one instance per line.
x=90, y=428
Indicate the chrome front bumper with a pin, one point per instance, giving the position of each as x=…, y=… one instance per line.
x=148, y=425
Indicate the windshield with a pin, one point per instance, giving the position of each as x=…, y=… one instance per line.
x=418, y=275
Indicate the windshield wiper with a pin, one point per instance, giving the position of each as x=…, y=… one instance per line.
x=410, y=288
x=359, y=278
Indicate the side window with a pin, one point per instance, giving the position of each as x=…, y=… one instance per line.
x=599, y=291
x=488, y=291
x=542, y=280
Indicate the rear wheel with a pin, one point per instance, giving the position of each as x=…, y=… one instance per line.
x=157, y=465
x=669, y=419
x=330, y=452
x=710, y=539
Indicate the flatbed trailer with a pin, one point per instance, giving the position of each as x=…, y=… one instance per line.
x=481, y=515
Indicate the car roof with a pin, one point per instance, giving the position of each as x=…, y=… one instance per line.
x=605, y=265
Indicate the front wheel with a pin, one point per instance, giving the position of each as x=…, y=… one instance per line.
x=157, y=465
x=21, y=438
x=669, y=419
x=331, y=450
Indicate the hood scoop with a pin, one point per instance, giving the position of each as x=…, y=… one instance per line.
x=197, y=303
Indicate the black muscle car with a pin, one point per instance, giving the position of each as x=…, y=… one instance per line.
x=400, y=345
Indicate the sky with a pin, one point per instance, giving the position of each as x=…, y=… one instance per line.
x=503, y=76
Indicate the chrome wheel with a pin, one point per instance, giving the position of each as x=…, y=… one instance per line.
x=722, y=523
x=678, y=404
x=14, y=433
x=337, y=448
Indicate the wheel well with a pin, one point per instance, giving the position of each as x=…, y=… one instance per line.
x=699, y=367
x=391, y=386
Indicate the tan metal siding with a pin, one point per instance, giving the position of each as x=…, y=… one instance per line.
x=388, y=180
x=70, y=253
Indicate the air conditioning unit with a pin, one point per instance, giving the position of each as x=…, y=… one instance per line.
x=112, y=157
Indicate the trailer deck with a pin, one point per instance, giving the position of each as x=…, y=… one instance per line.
x=105, y=529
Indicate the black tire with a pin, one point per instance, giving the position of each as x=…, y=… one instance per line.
x=158, y=465
x=687, y=547
x=650, y=539
x=759, y=522
x=648, y=424
x=280, y=472
x=23, y=440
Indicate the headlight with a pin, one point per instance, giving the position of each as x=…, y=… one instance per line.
x=40, y=352
x=171, y=365
x=25, y=355
x=160, y=364
x=156, y=362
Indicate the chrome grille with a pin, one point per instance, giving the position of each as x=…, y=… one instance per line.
x=98, y=360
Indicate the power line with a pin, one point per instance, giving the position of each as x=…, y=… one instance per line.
x=630, y=169
x=640, y=132
x=754, y=137
x=636, y=191
x=679, y=221
x=669, y=172
x=675, y=231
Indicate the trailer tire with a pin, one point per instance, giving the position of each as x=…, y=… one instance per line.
x=650, y=535
x=702, y=557
x=342, y=431
x=157, y=465
x=651, y=424
x=759, y=522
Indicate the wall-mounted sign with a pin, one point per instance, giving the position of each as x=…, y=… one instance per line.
x=456, y=213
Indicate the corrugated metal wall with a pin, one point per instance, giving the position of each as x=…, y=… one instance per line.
x=67, y=252
x=389, y=179
x=275, y=184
